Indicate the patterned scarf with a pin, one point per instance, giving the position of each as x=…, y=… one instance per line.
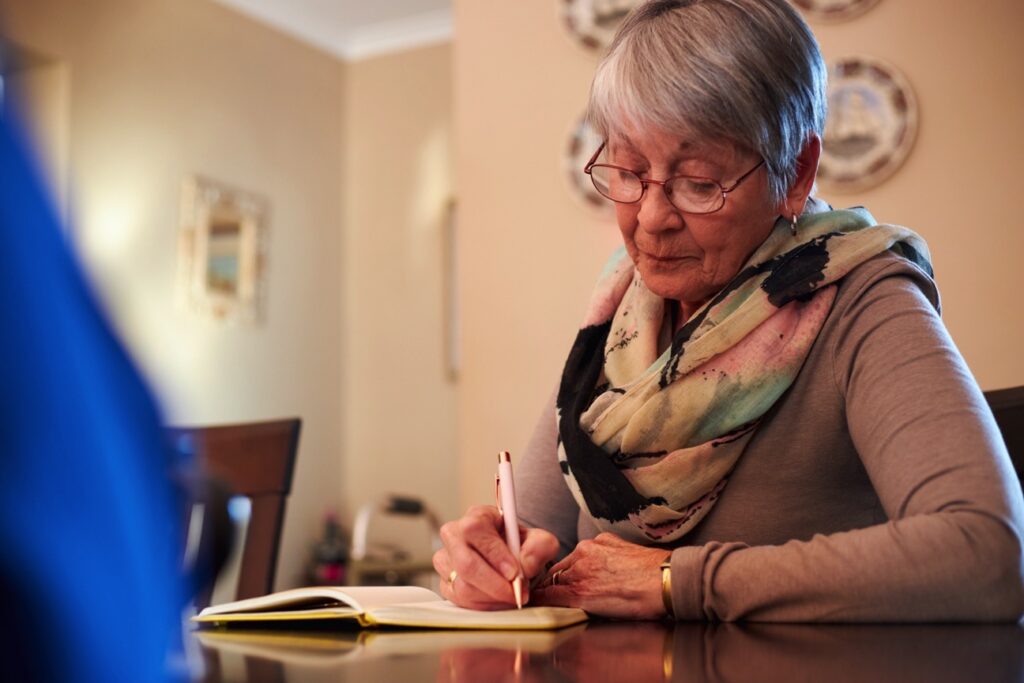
x=647, y=440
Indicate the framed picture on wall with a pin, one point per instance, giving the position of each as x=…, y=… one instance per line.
x=871, y=127
x=593, y=22
x=834, y=10
x=582, y=141
x=221, y=263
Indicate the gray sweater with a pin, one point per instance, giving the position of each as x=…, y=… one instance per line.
x=876, y=489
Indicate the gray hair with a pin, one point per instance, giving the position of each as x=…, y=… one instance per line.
x=744, y=71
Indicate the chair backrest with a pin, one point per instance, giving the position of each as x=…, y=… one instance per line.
x=1008, y=407
x=256, y=460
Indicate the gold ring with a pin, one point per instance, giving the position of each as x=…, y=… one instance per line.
x=452, y=575
x=554, y=577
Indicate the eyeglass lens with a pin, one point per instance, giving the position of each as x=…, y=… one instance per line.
x=693, y=195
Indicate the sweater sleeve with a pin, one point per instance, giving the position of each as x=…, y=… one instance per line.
x=543, y=498
x=952, y=548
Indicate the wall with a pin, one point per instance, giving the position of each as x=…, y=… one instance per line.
x=43, y=88
x=164, y=88
x=530, y=252
x=957, y=186
x=400, y=425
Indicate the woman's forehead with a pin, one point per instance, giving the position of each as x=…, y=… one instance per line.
x=643, y=141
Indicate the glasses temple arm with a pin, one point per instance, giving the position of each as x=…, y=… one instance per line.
x=593, y=159
x=727, y=190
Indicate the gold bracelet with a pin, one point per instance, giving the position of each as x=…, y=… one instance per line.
x=666, y=587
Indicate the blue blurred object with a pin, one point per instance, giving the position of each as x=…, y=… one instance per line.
x=90, y=534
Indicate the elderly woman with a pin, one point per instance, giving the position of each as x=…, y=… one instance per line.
x=762, y=416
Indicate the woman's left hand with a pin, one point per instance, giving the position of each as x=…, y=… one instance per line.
x=608, y=577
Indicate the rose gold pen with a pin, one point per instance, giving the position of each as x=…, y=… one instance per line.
x=506, y=495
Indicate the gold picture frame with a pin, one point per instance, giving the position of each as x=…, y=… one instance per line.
x=221, y=260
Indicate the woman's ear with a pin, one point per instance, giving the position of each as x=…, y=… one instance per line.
x=806, y=170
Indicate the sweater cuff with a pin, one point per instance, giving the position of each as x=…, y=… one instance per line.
x=687, y=584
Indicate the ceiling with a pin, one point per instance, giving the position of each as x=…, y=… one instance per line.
x=355, y=29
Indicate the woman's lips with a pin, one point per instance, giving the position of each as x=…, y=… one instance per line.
x=665, y=259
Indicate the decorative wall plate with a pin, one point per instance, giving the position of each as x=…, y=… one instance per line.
x=594, y=22
x=583, y=142
x=834, y=10
x=872, y=123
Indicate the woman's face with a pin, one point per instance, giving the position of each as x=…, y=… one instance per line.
x=687, y=257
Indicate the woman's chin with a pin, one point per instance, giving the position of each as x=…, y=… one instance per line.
x=678, y=279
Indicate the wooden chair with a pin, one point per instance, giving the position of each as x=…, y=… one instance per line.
x=254, y=460
x=1008, y=407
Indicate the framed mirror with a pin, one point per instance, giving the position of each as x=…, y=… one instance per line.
x=221, y=251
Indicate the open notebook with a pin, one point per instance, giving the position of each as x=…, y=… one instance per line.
x=408, y=606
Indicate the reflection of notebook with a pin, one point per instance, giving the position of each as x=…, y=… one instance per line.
x=408, y=606
x=329, y=648
x=307, y=649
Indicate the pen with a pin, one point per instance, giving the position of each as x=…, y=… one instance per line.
x=507, y=507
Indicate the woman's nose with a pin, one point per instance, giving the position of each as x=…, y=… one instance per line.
x=656, y=212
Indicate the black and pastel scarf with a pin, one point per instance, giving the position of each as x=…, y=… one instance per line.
x=648, y=435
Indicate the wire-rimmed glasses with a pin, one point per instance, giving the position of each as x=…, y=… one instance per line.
x=689, y=194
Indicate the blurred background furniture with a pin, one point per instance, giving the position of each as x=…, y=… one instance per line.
x=255, y=460
x=377, y=563
x=1008, y=407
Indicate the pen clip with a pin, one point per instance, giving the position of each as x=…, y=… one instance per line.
x=497, y=493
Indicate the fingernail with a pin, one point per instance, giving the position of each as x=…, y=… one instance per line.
x=509, y=570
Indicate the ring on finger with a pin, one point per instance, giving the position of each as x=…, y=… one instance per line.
x=452, y=575
x=555, y=577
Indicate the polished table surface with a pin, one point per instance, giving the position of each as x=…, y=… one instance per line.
x=617, y=651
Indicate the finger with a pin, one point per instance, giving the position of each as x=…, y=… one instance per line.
x=557, y=596
x=482, y=530
x=554, y=573
x=443, y=567
x=458, y=590
x=474, y=572
x=539, y=548
x=471, y=543
x=441, y=563
x=560, y=567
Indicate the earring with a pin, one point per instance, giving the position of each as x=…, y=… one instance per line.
x=792, y=225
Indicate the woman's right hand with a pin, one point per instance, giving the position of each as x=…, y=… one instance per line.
x=474, y=547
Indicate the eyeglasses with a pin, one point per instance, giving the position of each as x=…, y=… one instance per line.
x=689, y=194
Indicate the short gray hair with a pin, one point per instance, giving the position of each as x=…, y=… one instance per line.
x=749, y=72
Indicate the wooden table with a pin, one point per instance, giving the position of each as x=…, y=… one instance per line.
x=619, y=651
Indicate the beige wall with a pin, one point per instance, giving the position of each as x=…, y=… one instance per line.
x=400, y=426
x=958, y=187
x=530, y=253
x=164, y=88
x=44, y=86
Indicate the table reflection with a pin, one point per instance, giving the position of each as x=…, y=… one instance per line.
x=620, y=651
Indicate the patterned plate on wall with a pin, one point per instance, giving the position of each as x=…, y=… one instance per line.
x=594, y=22
x=834, y=10
x=872, y=123
x=583, y=142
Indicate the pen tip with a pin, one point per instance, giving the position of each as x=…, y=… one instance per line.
x=517, y=588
